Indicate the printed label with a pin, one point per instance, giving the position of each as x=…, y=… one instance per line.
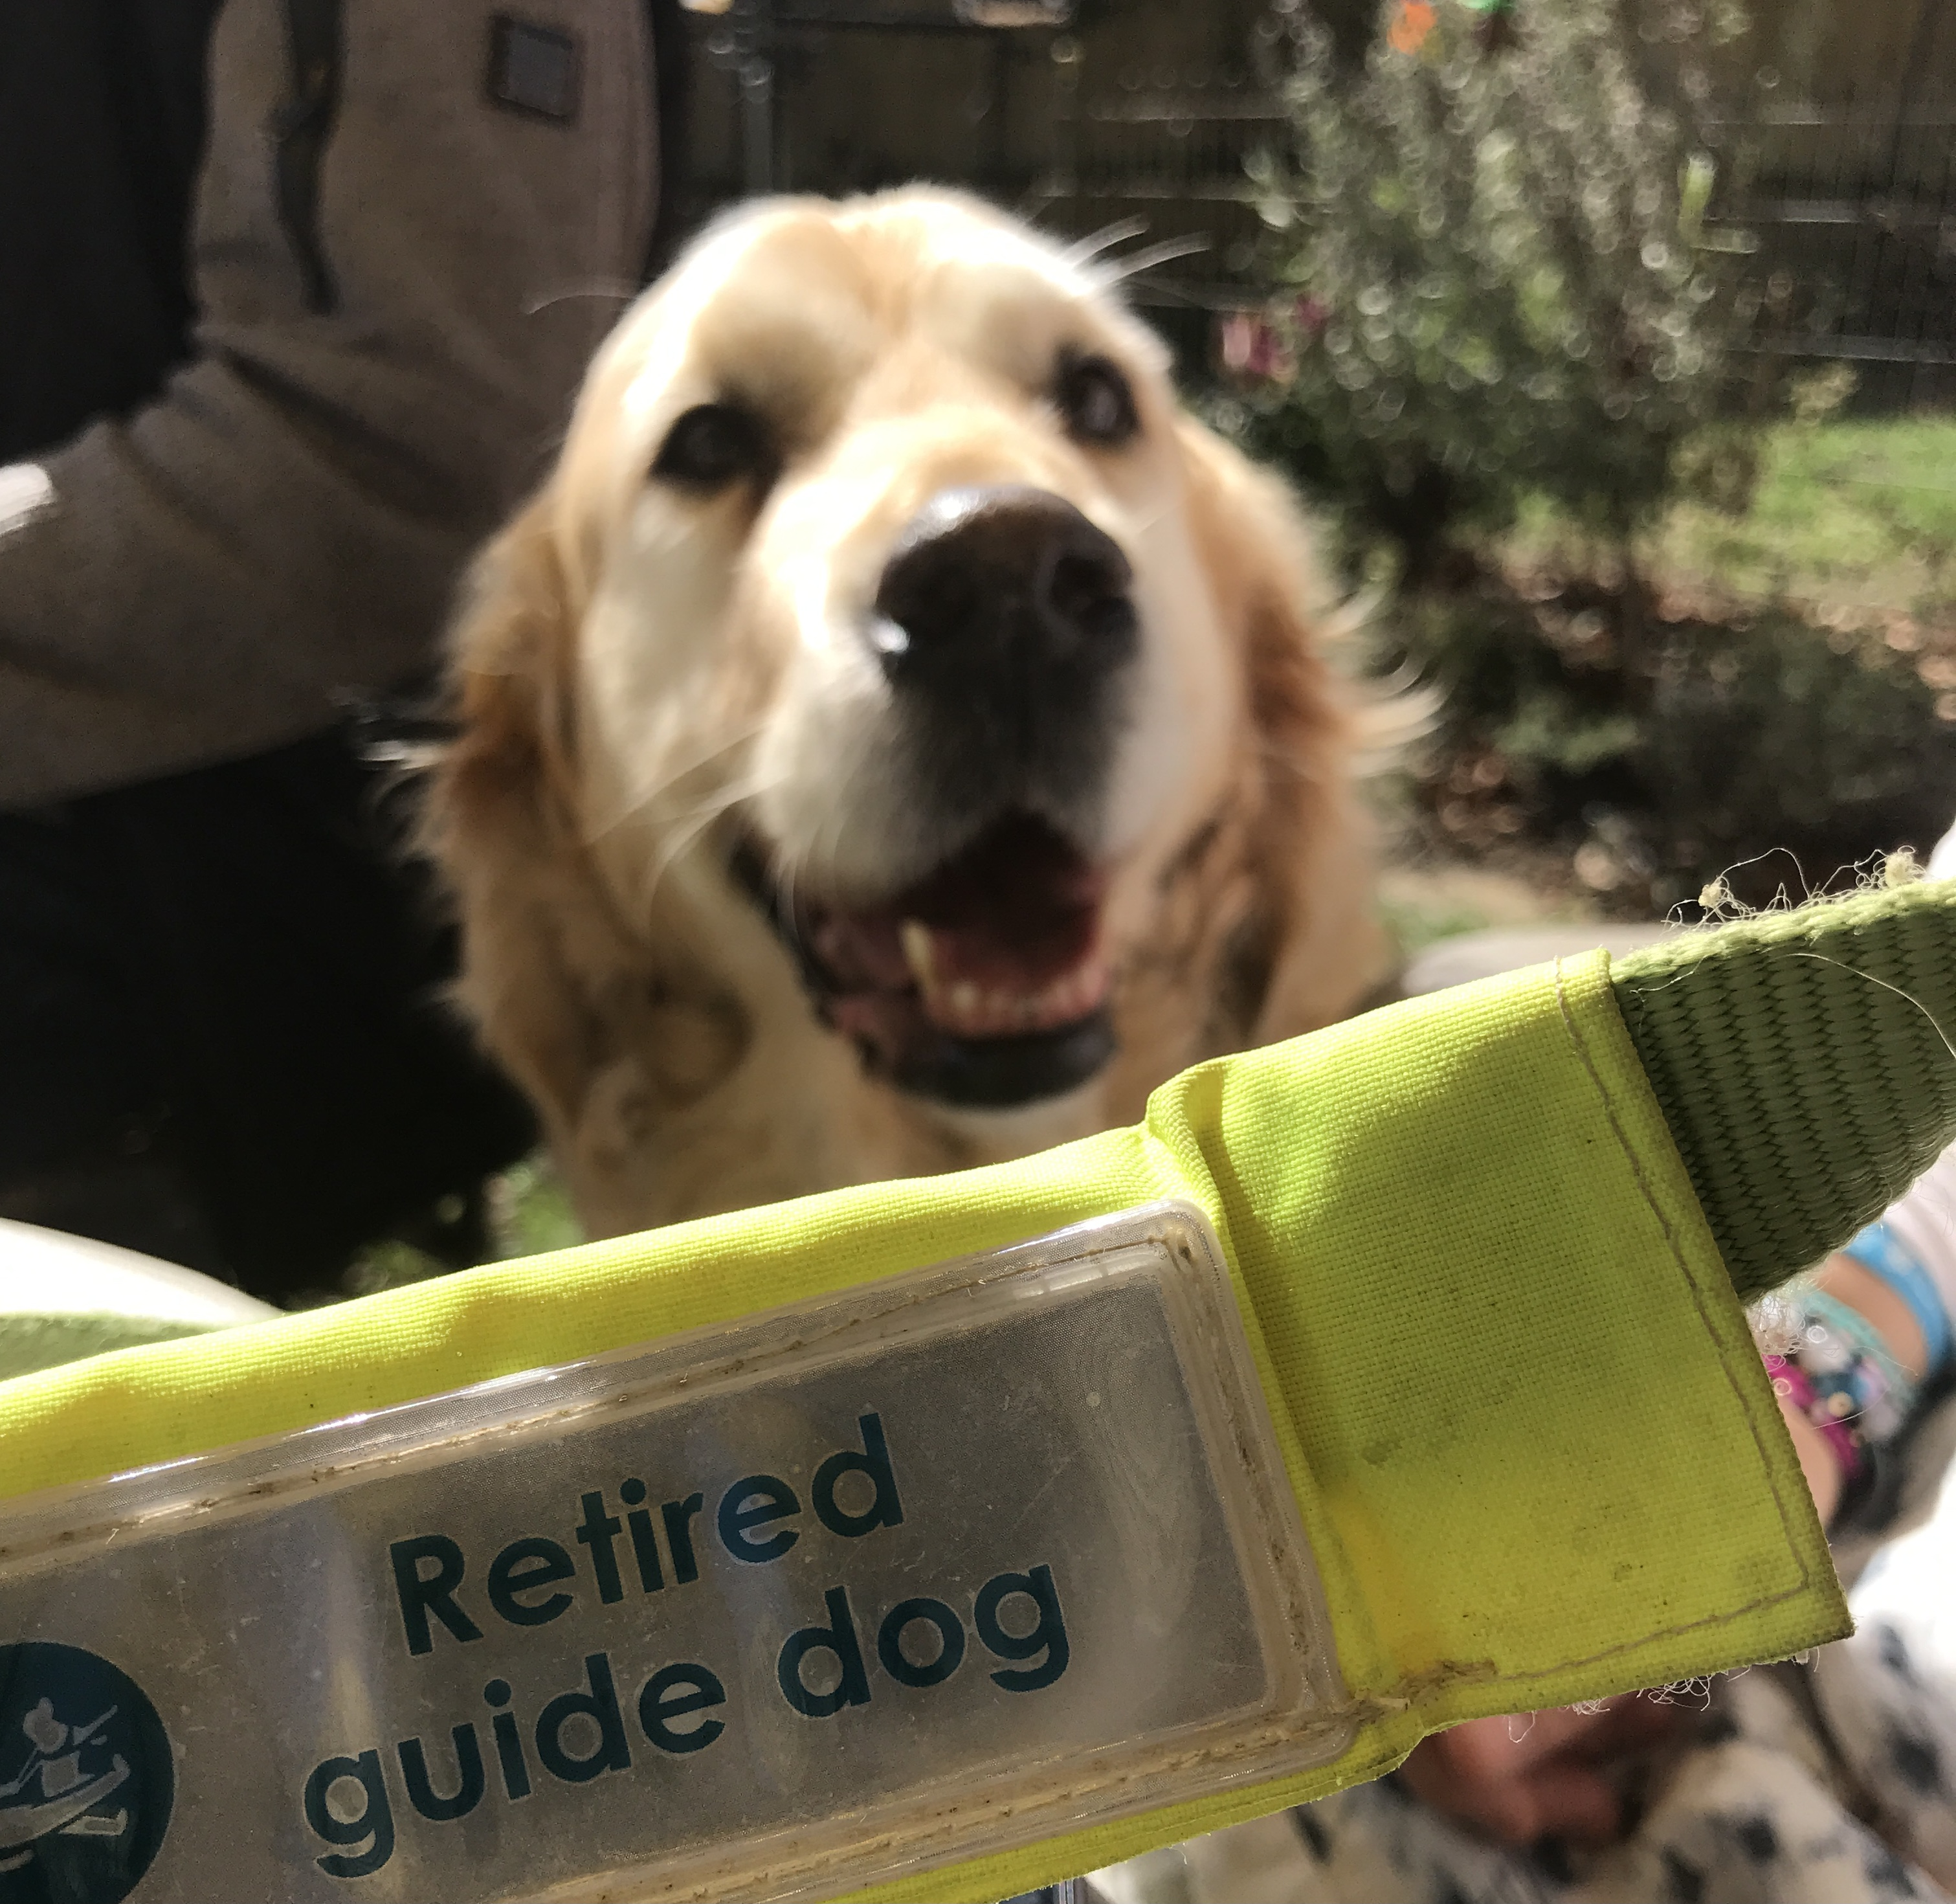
x=953, y=1562
x=85, y=1799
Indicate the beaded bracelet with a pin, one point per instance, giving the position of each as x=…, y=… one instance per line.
x=1839, y=1345
x=1878, y=1250
x=1840, y=1373
x=1790, y=1383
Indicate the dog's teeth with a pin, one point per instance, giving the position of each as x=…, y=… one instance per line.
x=915, y=935
x=963, y=1006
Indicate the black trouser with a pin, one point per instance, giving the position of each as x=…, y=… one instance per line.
x=222, y=1035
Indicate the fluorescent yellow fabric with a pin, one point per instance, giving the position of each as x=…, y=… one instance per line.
x=1532, y=1443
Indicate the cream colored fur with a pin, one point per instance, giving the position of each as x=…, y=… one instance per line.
x=638, y=671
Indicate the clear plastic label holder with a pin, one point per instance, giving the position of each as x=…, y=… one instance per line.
x=862, y=1587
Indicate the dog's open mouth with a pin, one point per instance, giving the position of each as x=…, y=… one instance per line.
x=983, y=984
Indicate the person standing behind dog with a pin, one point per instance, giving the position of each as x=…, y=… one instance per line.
x=296, y=295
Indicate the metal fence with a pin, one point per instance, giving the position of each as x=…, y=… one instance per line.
x=1853, y=208
x=1174, y=155
x=1148, y=113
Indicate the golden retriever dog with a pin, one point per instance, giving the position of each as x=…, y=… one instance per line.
x=898, y=736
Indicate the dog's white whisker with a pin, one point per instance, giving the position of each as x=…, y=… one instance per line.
x=825, y=843
x=1118, y=271
x=651, y=796
x=687, y=833
x=1105, y=239
x=615, y=289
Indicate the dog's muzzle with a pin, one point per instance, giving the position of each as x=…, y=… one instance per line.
x=1005, y=626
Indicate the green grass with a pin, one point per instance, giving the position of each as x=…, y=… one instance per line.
x=1858, y=518
x=1424, y=899
x=532, y=1210
x=1416, y=924
x=530, y=1214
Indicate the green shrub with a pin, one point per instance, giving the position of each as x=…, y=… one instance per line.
x=1656, y=754
x=1489, y=242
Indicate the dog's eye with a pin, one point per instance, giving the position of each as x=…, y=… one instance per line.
x=1096, y=401
x=712, y=445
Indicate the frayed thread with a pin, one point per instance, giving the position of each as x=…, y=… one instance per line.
x=1879, y=872
x=1776, y=1319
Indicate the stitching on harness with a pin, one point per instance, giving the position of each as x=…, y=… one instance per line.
x=1649, y=1195
x=1645, y=1190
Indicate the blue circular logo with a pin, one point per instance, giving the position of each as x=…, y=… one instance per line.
x=85, y=1777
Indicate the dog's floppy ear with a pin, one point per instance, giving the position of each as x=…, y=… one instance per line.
x=508, y=653
x=605, y=1029
x=1311, y=949
x=502, y=821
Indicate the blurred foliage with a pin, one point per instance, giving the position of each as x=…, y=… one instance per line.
x=525, y=1211
x=1497, y=279
x=1655, y=748
x=1670, y=637
x=532, y=1210
x=1855, y=521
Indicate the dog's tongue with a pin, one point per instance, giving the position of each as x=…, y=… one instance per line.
x=999, y=940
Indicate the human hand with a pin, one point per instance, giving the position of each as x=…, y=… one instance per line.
x=1539, y=1775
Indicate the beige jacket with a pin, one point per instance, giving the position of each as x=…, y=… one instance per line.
x=283, y=526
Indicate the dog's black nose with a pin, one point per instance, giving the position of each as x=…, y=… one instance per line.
x=1008, y=585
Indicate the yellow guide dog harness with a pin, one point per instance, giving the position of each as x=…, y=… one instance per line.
x=1386, y=1378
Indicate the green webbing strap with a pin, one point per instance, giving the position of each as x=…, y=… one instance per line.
x=1798, y=1061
